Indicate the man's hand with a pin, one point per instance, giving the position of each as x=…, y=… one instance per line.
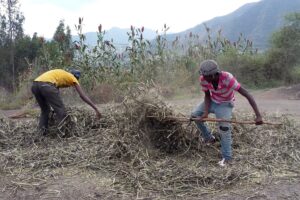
x=98, y=114
x=199, y=118
x=87, y=100
x=205, y=115
x=258, y=120
x=192, y=118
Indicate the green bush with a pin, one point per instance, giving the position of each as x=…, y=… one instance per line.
x=247, y=68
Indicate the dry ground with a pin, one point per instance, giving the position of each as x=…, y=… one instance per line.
x=78, y=185
x=278, y=101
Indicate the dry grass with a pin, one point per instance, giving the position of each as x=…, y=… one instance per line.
x=156, y=157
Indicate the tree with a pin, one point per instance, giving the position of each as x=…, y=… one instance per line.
x=15, y=31
x=288, y=38
x=11, y=31
x=285, y=49
x=63, y=38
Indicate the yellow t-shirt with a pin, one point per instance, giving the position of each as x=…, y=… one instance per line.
x=60, y=78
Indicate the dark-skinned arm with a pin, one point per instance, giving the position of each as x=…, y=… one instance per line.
x=253, y=104
x=207, y=101
x=206, y=108
x=87, y=100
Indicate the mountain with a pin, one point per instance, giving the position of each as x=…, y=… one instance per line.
x=118, y=35
x=256, y=21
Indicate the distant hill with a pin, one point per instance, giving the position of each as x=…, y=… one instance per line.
x=257, y=21
x=119, y=36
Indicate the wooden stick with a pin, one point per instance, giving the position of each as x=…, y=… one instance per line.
x=233, y=121
x=18, y=115
x=216, y=120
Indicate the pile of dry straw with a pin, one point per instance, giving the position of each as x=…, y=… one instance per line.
x=149, y=156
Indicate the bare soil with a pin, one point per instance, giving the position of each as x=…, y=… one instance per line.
x=79, y=185
x=276, y=101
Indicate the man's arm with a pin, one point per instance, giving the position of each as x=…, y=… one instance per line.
x=206, y=104
x=253, y=104
x=206, y=107
x=87, y=100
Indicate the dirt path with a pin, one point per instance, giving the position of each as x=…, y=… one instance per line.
x=272, y=101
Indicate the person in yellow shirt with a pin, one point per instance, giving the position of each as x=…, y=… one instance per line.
x=46, y=91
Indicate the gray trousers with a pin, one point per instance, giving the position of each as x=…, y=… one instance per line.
x=47, y=95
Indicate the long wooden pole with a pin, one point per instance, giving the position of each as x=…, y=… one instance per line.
x=233, y=121
x=216, y=120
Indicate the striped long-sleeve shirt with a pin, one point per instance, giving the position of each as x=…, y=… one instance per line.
x=226, y=87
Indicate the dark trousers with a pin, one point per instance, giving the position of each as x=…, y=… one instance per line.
x=47, y=95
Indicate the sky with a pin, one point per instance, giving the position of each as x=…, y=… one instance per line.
x=43, y=16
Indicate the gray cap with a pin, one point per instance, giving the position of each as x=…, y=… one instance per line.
x=209, y=67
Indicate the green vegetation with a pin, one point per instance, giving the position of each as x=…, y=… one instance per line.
x=283, y=58
x=171, y=65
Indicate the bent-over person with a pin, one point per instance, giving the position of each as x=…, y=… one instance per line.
x=46, y=91
x=219, y=87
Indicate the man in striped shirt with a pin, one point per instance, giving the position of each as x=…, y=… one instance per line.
x=219, y=87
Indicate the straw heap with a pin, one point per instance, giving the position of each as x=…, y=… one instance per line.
x=153, y=156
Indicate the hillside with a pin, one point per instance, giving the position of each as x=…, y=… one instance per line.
x=118, y=35
x=257, y=21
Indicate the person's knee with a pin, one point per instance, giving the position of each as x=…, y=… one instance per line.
x=45, y=110
x=61, y=113
x=224, y=128
x=225, y=134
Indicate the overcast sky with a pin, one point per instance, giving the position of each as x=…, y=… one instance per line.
x=43, y=16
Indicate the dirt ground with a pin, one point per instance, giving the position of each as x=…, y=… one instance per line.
x=97, y=186
x=276, y=101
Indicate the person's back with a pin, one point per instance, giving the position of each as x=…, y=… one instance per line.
x=224, y=92
x=46, y=91
x=60, y=78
